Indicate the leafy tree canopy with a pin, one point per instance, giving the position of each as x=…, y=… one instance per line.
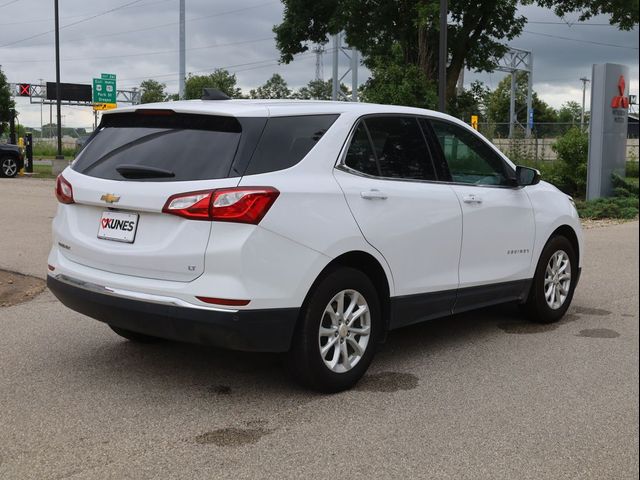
x=6, y=103
x=220, y=79
x=570, y=112
x=275, y=87
x=319, y=90
x=152, y=91
x=477, y=31
x=623, y=13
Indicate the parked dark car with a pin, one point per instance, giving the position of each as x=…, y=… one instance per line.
x=11, y=160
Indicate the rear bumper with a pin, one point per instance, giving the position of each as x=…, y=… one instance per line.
x=268, y=330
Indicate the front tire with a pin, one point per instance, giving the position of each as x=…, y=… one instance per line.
x=554, y=282
x=8, y=167
x=336, y=337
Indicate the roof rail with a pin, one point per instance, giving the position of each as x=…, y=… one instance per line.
x=214, y=94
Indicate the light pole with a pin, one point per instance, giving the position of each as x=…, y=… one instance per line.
x=442, y=58
x=58, y=113
x=584, y=81
x=182, y=60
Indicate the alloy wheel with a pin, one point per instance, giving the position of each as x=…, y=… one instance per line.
x=557, y=279
x=345, y=330
x=9, y=167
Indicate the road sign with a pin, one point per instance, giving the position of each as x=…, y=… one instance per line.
x=104, y=106
x=530, y=120
x=104, y=89
x=474, y=122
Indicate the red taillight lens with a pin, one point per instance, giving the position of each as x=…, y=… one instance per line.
x=240, y=204
x=192, y=205
x=64, y=191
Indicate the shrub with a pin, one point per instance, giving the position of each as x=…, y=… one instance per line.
x=632, y=169
x=573, y=150
x=613, y=207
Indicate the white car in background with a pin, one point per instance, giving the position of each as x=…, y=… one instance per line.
x=311, y=228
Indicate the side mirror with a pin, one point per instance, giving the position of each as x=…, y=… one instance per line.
x=527, y=176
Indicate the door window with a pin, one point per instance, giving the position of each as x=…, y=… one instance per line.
x=393, y=148
x=470, y=159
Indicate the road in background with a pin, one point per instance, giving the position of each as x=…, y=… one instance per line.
x=479, y=395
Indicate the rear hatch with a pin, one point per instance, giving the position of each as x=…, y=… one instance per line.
x=123, y=178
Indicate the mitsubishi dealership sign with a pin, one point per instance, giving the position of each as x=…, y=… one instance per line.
x=607, y=128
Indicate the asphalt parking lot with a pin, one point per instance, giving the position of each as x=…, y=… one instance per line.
x=480, y=395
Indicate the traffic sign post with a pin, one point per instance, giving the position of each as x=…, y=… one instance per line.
x=104, y=92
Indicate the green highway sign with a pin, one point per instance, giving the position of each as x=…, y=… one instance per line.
x=104, y=89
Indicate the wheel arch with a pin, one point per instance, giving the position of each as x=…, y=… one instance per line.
x=371, y=267
x=569, y=233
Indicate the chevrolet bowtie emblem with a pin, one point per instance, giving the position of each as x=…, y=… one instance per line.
x=110, y=198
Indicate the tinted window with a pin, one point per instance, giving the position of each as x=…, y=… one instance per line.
x=400, y=148
x=287, y=140
x=192, y=147
x=360, y=155
x=470, y=159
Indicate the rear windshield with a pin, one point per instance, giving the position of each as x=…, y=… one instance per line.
x=169, y=146
x=132, y=146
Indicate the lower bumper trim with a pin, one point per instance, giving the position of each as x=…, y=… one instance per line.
x=268, y=330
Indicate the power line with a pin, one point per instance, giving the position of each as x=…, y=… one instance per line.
x=579, y=40
x=144, y=54
x=8, y=3
x=144, y=29
x=68, y=17
x=571, y=24
x=72, y=23
x=269, y=62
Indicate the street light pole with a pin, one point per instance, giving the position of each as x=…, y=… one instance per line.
x=59, y=116
x=584, y=81
x=442, y=58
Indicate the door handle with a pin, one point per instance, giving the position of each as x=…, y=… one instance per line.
x=472, y=198
x=373, y=194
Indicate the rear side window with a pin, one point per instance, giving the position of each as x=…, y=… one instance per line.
x=132, y=146
x=360, y=155
x=287, y=140
x=391, y=147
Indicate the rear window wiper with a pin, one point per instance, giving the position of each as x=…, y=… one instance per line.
x=143, y=171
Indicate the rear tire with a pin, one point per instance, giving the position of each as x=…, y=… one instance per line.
x=135, y=336
x=8, y=167
x=554, y=282
x=337, y=332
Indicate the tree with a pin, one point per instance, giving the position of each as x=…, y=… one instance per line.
x=275, y=87
x=394, y=83
x=470, y=102
x=6, y=103
x=220, y=79
x=476, y=32
x=498, y=105
x=570, y=112
x=319, y=90
x=152, y=91
x=623, y=13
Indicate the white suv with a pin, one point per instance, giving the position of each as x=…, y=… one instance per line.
x=311, y=228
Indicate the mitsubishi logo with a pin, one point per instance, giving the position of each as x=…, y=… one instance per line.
x=620, y=101
x=110, y=198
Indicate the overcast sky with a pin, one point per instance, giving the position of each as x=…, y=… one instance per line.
x=140, y=41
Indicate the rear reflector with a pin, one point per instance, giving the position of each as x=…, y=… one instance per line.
x=239, y=204
x=64, y=191
x=224, y=301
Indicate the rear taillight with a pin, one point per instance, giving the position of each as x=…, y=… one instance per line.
x=64, y=191
x=240, y=204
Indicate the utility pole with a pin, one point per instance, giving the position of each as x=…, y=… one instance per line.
x=442, y=58
x=584, y=81
x=59, y=115
x=335, y=85
x=182, y=59
x=319, y=51
x=41, y=131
